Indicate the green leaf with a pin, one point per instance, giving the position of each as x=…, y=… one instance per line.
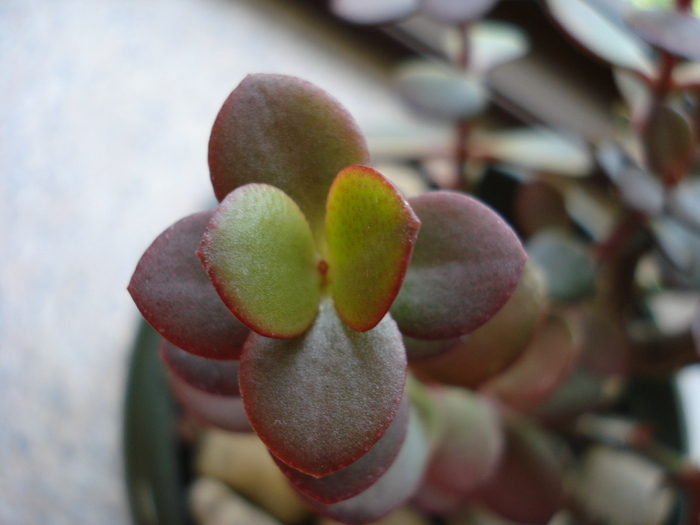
x=370, y=232
x=285, y=132
x=259, y=253
x=669, y=142
x=322, y=400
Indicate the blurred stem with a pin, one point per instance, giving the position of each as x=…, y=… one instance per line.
x=665, y=80
x=462, y=127
x=684, y=6
x=617, y=239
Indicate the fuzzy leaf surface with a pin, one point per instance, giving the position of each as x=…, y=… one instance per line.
x=466, y=264
x=358, y=476
x=457, y=11
x=372, y=12
x=259, y=252
x=211, y=375
x=370, y=231
x=176, y=297
x=322, y=400
x=285, y=132
x=677, y=33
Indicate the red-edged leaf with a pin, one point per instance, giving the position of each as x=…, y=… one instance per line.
x=372, y=12
x=393, y=489
x=322, y=400
x=490, y=348
x=225, y=412
x=544, y=365
x=211, y=375
x=466, y=264
x=669, y=142
x=259, y=252
x=677, y=33
x=285, y=132
x=176, y=297
x=457, y=11
x=370, y=233
x=356, y=477
x=419, y=349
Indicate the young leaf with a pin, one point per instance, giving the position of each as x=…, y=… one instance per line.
x=373, y=12
x=677, y=33
x=669, y=142
x=466, y=263
x=358, y=476
x=285, y=132
x=176, y=297
x=322, y=400
x=457, y=11
x=370, y=233
x=259, y=253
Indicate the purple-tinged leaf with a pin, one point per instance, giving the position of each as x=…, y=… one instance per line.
x=674, y=32
x=599, y=35
x=543, y=366
x=322, y=400
x=373, y=12
x=466, y=264
x=490, y=348
x=419, y=349
x=358, y=476
x=211, y=375
x=225, y=412
x=393, y=489
x=641, y=191
x=440, y=91
x=285, y=132
x=370, y=233
x=259, y=252
x=528, y=486
x=456, y=11
x=684, y=203
x=176, y=297
x=669, y=143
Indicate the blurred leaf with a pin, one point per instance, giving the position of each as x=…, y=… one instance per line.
x=211, y=375
x=373, y=12
x=535, y=149
x=490, y=44
x=318, y=406
x=370, y=231
x=358, y=476
x=285, y=132
x=695, y=329
x=440, y=91
x=640, y=191
x=542, y=367
x=418, y=349
x=539, y=205
x=174, y=294
x=568, y=267
x=580, y=392
x=393, y=489
x=604, y=345
x=493, y=346
x=684, y=202
x=687, y=76
x=673, y=240
x=669, y=143
x=635, y=92
x=456, y=11
x=259, y=253
x=466, y=264
x=674, y=32
x=600, y=36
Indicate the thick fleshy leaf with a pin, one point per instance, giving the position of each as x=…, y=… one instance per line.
x=259, y=253
x=684, y=202
x=669, y=143
x=635, y=92
x=373, y=12
x=695, y=329
x=466, y=264
x=604, y=347
x=322, y=400
x=493, y=346
x=676, y=243
x=687, y=75
x=370, y=233
x=600, y=36
x=641, y=191
x=211, y=375
x=543, y=366
x=393, y=489
x=677, y=33
x=456, y=11
x=358, y=476
x=535, y=149
x=419, y=349
x=439, y=91
x=176, y=297
x=285, y=132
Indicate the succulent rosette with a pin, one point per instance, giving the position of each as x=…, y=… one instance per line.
x=309, y=273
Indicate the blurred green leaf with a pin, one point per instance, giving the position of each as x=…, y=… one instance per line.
x=669, y=143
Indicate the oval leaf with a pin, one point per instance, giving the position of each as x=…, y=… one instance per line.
x=600, y=36
x=358, y=476
x=466, y=263
x=175, y=296
x=677, y=33
x=211, y=375
x=373, y=12
x=640, y=190
x=684, y=202
x=285, y=132
x=457, y=11
x=370, y=233
x=439, y=91
x=259, y=253
x=322, y=400
x=669, y=143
